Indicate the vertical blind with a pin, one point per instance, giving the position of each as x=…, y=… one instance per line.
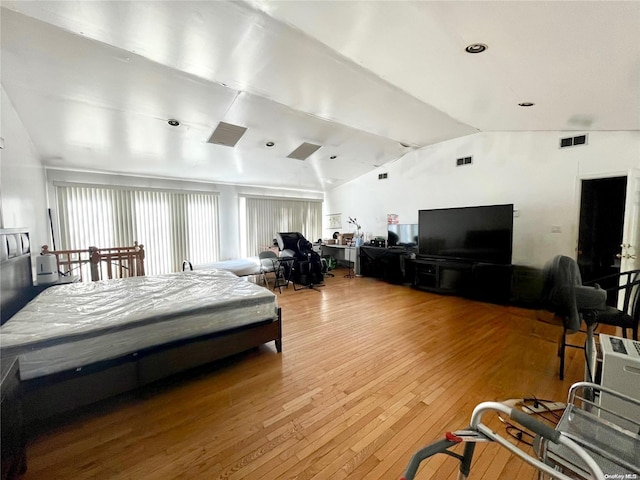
x=172, y=226
x=262, y=217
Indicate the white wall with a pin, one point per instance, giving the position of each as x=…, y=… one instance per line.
x=228, y=198
x=22, y=179
x=525, y=168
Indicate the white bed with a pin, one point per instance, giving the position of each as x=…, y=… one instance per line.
x=242, y=267
x=70, y=326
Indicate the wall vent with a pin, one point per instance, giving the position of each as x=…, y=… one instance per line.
x=464, y=161
x=580, y=140
x=304, y=151
x=566, y=142
x=573, y=141
x=382, y=176
x=226, y=134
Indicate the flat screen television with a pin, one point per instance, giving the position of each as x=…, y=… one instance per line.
x=402, y=234
x=480, y=234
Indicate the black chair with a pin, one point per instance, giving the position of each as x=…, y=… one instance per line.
x=627, y=316
x=564, y=294
x=306, y=269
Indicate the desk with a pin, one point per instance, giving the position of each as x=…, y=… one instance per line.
x=344, y=255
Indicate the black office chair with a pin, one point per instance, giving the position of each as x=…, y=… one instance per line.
x=628, y=316
x=565, y=295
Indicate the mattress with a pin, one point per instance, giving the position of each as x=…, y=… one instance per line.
x=241, y=266
x=70, y=326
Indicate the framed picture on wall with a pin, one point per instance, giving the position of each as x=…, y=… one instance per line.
x=334, y=221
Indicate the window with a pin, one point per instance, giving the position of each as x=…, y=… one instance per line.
x=172, y=226
x=262, y=217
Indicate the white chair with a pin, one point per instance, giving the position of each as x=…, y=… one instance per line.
x=268, y=264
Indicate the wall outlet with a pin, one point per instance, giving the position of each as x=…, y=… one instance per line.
x=556, y=229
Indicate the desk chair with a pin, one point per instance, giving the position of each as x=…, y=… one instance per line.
x=326, y=267
x=564, y=295
x=628, y=315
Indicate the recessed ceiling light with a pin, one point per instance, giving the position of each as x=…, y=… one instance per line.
x=173, y=122
x=526, y=104
x=269, y=144
x=333, y=157
x=476, y=48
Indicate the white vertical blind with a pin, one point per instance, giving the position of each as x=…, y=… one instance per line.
x=263, y=217
x=172, y=226
x=203, y=248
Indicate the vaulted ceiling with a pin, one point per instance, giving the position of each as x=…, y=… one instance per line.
x=95, y=83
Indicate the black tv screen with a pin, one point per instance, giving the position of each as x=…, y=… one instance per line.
x=481, y=234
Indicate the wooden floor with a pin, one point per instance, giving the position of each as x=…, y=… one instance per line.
x=369, y=373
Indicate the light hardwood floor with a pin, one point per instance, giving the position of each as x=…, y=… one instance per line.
x=370, y=372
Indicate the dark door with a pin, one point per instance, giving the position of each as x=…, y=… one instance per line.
x=601, y=227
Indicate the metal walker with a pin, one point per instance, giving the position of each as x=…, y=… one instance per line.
x=589, y=441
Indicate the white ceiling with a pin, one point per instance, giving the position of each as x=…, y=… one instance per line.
x=95, y=82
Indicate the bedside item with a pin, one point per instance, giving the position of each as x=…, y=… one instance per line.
x=47, y=268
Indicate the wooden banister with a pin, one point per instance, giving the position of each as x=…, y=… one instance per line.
x=110, y=262
x=70, y=262
x=117, y=262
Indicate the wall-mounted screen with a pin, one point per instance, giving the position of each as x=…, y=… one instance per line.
x=481, y=234
x=403, y=234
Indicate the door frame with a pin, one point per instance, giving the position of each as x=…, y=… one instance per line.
x=578, y=198
x=631, y=220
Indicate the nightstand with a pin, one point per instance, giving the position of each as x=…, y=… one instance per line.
x=13, y=446
x=63, y=280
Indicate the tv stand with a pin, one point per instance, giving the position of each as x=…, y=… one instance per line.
x=391, y=264
x=467, y=278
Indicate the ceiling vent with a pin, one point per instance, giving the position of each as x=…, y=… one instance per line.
x=573, y=141
x=464, y=161
x=226, y=134
x=382, y=176
x=304, y=151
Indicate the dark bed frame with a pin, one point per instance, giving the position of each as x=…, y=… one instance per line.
x=53, y=394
